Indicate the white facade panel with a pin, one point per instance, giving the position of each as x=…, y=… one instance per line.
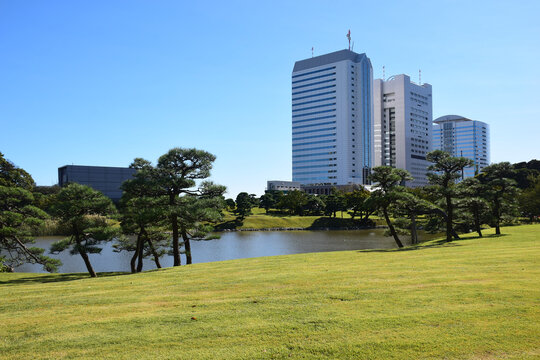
x=402, y=125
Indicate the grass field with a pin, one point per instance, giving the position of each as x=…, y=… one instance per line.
x=260, y=220
x=469, y=299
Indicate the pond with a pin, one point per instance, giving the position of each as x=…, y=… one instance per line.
x=231, y=245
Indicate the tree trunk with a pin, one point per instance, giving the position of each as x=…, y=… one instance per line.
x=414, y=234
x=477, y=222
x=445, y=217
x=86, y=259
x=176, y=247
x=187, y=246
x=449, y=215
x=391, y=227
x=497, y=218
x=133, y=261
x=153, y=250
x=140, y=247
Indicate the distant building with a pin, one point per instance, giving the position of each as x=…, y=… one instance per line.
x=104, y=179
x=316, y=189
x=283, y=186
x=328, y=189
x=332, y=119
x=402, y=125
x=460, y=136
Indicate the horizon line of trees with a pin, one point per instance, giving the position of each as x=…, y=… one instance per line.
x=167, y=205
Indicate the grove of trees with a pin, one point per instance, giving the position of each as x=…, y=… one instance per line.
x=168, y=204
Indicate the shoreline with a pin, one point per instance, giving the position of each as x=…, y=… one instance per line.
x=306, y=228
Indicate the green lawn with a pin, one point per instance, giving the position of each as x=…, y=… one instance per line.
x=469, y=299
x=260, y=220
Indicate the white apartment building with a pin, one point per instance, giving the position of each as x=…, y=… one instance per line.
x=460, y=136
x=332, y=119
x=402, y=126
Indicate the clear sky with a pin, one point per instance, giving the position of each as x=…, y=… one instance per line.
x=95, y=82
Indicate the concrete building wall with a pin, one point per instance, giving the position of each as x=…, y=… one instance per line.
x=402, y=125
x=282, y=185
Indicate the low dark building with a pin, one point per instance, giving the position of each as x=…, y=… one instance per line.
x=316, y=189
x=102, y=178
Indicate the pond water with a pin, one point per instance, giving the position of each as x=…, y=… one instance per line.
x=231, y=245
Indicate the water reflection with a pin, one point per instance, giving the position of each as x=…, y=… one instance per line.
x=232, y=245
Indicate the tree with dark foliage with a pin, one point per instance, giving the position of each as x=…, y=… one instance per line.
x=445, y=171
x=501, y=191
x=18, y=217
x=84, y=212
x=387, y=182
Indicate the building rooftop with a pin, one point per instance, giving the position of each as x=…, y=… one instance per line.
x=94, y=167
x=447, y=118
x=399, y=76
x=330, y=58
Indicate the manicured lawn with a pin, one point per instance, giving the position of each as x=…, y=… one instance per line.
x=469, y=299
x=260, y=220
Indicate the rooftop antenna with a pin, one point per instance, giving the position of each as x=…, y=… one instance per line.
x=349, y=37
x=383, y=74
x=312, y=51
x=419, y=77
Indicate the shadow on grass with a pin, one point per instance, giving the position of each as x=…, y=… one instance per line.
x=277, y=214
x=433, y=244
x=339, y=223
x=229, y=225
x=50, y=278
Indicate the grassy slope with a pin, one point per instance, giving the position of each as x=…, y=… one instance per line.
x=260, y=220
x=471, y=299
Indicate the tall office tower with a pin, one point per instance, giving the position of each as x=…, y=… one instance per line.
x=402, y=125
x=460, y=136
x=332, y=119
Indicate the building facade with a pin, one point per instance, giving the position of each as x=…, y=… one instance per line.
x=402, y=126
x=282, y=185
x=460, y=136
x=101, y=178
x=332, y=119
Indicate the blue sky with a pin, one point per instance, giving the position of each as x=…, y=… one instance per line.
x=102, y=82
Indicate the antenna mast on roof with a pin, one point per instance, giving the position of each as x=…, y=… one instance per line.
x=349, y=37
x=312, y=51
x=383, y=74
x=419, y=77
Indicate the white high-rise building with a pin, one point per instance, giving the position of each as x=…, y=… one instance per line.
x=460, y=136
x=402, y=125
x=332, y=119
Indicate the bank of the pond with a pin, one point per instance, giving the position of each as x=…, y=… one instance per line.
x=475, y=298
x=230, y=245
x=260, y=220
x=306, y=229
